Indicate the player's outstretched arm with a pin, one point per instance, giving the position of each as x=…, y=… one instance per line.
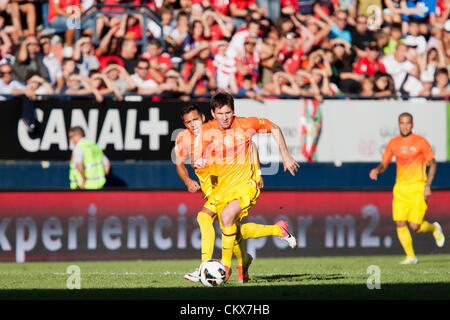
x=288, y=161
x=373, y=174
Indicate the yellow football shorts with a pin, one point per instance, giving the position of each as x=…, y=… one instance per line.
x=408, y=203
x=210, y=205
x=208, y=186
x=247, y=195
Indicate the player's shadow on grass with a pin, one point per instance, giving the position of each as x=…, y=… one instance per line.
x=298, y=277
x=435, y=261
x=252, y=290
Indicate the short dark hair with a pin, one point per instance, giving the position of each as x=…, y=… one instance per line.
x=189, y=108
x=155, y=42
x=167, y=8
x=140, y=60
x=221, y=99
x=45, y=37
x=93, y=72
x=30, y=74
x=397, y=26
x=77, y=130
x=182, y=13
x=441, y=71
x=252, y=21
x=406, y=114
x=66, y=59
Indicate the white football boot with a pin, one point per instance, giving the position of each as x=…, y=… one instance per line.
x=286, y=235
x=409, y=260
x=439, y=235
x=193, y=276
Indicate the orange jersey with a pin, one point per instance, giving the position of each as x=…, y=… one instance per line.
x=186, y=146
x=230, y=150
x=412, y=155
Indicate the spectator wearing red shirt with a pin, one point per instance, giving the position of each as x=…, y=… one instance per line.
x=248, y=63
x=370, y=63
x=59, y=13
x=326, y=6
x=203, y=54
x=296, y=45
x=133, y=27
x=219, y=25
x=159, y=62
x=62, y=14
x=109, y=49
x=239, y=10
x=118, y=2
x=221, y=6
x=288, y=7
x=291, y=53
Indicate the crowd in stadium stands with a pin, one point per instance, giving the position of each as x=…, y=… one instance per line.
x=251, y=48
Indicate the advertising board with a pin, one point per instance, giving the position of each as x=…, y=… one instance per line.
x=52, y=226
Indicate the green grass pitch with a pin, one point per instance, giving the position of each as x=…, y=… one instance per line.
x=300, y=278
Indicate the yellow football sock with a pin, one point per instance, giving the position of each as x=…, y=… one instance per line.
x=228, y=237
x=427, y=227
x=253, y=230
x=406, y=241
x=239, y=251
x=208, y=234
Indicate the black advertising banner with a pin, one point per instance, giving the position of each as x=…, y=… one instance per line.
x=124, y=130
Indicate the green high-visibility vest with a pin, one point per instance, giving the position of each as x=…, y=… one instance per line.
x=94, y=170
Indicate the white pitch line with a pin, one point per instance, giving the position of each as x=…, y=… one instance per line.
x=121, y=273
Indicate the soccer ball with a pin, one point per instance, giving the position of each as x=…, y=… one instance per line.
x=212, y=273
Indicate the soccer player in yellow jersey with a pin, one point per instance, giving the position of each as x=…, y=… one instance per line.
x=412, y=187
x=185, y=147
x=226, y=140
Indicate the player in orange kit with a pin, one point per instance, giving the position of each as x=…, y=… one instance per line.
x=185, y=147
x=226, y=140
x=412, y=187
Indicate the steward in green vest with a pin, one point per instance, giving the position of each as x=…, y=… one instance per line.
x=88, y=165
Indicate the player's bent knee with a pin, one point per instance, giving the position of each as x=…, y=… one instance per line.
x=400, y=224
x=230, y=213
x=227, y=221
x=414, y=226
